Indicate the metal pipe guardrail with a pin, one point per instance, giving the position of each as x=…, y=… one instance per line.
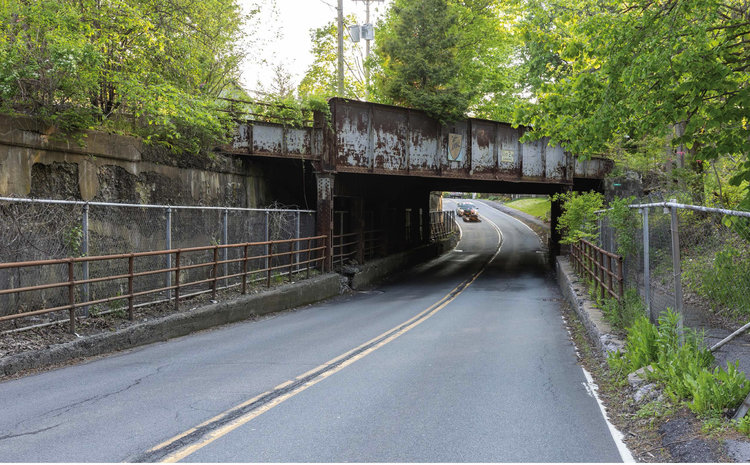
x=315, y=255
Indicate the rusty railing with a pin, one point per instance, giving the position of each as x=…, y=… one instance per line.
x=442, y=224
x=313, y=254
x=604, y=268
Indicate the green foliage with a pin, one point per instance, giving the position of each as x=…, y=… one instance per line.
x=321, y=77
x=681, y=367
x=579, y=220
x=718, y=389
x=724, y=281
x=73, y=239
x=604, y=72
x=624, y=313
x=641, y=347
x=743, y=425
x=626, y=223
x=446, y=57
x=157, y=65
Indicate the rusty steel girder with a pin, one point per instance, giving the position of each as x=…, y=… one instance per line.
x=364, y=137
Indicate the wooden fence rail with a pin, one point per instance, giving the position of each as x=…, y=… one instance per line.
x=602, y=267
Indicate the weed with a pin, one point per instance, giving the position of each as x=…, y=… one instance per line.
x=655, y=410
x=713, y=423
x=723, y=281
x=623, y=314
x=742, y=425
x=714, y=391
x=680, y=362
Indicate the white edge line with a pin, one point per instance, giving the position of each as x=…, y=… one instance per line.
x=617, y=436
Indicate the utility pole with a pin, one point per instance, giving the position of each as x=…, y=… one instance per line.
x=367, y=50
x=341, y=47
x=367, y=42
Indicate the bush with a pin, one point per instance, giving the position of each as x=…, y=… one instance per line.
x=578, y=220
x=626, y=224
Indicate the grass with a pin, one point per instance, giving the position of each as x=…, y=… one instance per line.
x=536, y=206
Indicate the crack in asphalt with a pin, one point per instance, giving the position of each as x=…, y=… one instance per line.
x=28, y=433
x=57, y=412
x=67, y=408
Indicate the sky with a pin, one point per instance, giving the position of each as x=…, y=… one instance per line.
x=284, y=35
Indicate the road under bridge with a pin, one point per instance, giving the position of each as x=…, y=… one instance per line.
x=372, y=167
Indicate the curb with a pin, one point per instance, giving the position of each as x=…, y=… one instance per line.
x=598, y=330
x=180, y=324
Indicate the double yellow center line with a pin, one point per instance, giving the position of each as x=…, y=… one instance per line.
x=194, y=439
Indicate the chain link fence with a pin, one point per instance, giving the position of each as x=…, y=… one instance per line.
x=693, y=259
x=37, y=229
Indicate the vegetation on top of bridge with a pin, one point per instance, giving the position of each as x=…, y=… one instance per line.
x=645, y=82
x=144, y=67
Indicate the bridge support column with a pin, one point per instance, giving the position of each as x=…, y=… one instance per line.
x=426, y=227
x=554, y=234
x=414, y=226
x=358, y=223
x=324, y=216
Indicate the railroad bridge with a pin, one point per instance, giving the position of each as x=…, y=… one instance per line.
x=371, y=169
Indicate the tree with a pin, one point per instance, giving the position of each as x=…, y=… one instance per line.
x=321, y=77
x=616, y=72
x=154, y=66
x=447, y=57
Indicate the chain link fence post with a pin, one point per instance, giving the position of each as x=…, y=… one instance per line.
x=85, y=253
x=168, y=246
x=677, y=268
x=646, y=266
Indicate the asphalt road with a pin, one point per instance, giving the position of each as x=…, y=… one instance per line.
x=465, y=358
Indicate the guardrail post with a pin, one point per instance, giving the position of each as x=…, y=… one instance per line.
x=168, y=246
x=244, y=271
x=266, y=238
x=177, y=280
x=677, y=268
x=85, y=253
x=647, y=266
x=291, y=259
x=296, y=243
x=72, y=296
x=269, y=247
x=307, y=265
x=215, y=272
x=131, y=266
x=225, y=241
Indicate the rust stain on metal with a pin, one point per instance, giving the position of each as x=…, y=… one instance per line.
x=375, y=138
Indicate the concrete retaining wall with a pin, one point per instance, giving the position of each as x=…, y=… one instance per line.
x=180, y=324
x=37, y=161
x=574, y=291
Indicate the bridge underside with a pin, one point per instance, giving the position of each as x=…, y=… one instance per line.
x=391, y=213
x=369, y=169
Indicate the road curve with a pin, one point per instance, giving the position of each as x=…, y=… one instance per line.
x=465, y=358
